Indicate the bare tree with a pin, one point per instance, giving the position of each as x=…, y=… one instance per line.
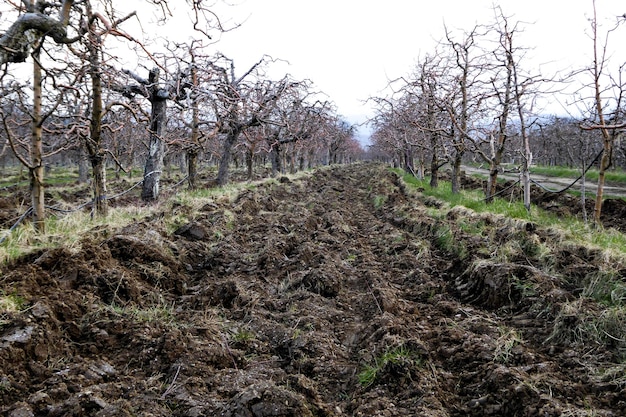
x=465, y=94
x=339, y=140
x=606, y=115
x=195, y=140
x=399, y=125
x=92, y=33
x=416, y=119
x=195, y=109
x=293, y=121
x=157, y=95
x=26, y=36
x=240, y=103
x=38, y=20
x=506, y=94
x=433, y=123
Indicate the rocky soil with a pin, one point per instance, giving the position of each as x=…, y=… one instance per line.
x=341, y=292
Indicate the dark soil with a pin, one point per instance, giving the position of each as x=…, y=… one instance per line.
x=340, y=293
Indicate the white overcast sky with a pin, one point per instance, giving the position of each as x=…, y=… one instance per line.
x=351, y=49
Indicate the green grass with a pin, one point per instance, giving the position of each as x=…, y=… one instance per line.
x=614, y=176
x=591, y=327
x=473, y=199
x=379, y=201
x=159, y=313
x=67, y=230
x=10, y=303
x=574, y=229
x=400, y=355
x=445, y=240
x=61, y=175
x=243, y=335
x=607, y=288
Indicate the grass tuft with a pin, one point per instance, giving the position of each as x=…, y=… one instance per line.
x=11, y=303
x=508, y=340
x=400, y=355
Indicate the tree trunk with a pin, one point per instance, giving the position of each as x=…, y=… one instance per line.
x=37, y=170
x=283, y=164
x=192, y=168
x=526, y=186
x=249, y=161
x=98, y=166
x=583, y=191
x=492, y=185
x=83, y=167
x=605, y=163
x=192, y=153
x=301, y=163
x=154, y=161
x=497, y=151
x=94, y=142
x=222, y=171
x=409, y=164
x=275, y=158
x=421, y=165
x=292, y=161
x=456, y=173
x=434, y=170
x=528, y=160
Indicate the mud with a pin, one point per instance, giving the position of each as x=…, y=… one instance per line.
x=339, y=293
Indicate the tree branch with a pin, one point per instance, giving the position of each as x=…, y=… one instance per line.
x=16, y=42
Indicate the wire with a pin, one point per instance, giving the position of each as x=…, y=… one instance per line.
x=575, y=181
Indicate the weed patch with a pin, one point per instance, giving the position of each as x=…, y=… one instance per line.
x=396, y=360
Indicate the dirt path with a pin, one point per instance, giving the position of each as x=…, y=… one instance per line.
x=337, y=294
x=554, y=183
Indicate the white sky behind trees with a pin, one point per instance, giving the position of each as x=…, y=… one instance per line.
x=351, y=49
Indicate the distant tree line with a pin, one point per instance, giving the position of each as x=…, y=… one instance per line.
x=68, y=99
x=472, y=100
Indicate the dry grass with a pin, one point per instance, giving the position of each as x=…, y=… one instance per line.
x=68, y=229
x=509, y=338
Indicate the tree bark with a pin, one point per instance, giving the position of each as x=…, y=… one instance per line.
x=409, y=164
x=583, y=191
x=222, y=172
x=249, y=161
x=434, y=170
x=37, y=168
x=492, y=184
x=98, y=167
x=605, y=163
x=83, y=167
x=94, y=142
x=456, y=173
x=496, y=161
x=276, y=161
x=192, y=153
x=192, y=168
x=154, y=161
x=498, y=148
x=16, y=42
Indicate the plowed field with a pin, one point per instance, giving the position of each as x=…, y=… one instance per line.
x=337, y=293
